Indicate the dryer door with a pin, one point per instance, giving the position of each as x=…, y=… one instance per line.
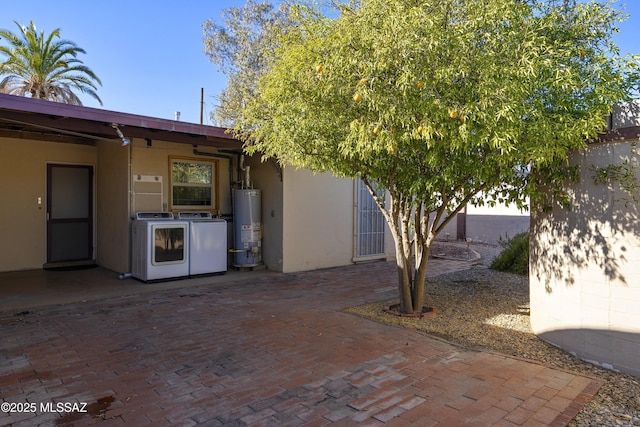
x=169, y=243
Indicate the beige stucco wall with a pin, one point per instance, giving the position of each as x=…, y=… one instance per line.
x=23, y=170
x=585, y=267
x=265, y=177
x=23, y=165
x=318, y=220
x=154, y=161
x=112, y=206
x=308, y=218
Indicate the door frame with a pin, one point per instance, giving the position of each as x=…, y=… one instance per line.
x=91, y=215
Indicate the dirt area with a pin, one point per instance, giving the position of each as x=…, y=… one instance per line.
x=453, y=251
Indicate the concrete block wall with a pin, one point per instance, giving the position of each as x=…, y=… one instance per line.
x=491, y=228
x=585, y=266
x=489, y=224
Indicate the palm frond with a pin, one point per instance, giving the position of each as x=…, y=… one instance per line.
x=44, y=66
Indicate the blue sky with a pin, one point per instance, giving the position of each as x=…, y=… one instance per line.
x=149, y=53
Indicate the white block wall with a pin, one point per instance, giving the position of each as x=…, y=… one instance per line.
x=585, y=267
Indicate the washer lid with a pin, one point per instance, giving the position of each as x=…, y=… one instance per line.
x=154, y=215
x=194, y=215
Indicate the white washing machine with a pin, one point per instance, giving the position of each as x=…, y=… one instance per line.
x=207, y=243
x=160, y=247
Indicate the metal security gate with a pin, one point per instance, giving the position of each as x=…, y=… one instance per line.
x=370, y=226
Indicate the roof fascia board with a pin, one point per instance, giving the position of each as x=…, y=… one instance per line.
x=61, y=110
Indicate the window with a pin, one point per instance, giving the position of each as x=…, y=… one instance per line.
x=193, y=184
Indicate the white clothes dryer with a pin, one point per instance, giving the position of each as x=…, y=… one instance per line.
x=160, y=247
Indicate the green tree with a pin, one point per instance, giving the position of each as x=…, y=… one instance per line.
x=44, y=67
x=442, y=103
x=240, y=48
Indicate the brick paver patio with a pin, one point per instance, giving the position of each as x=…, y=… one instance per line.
x=277, y=350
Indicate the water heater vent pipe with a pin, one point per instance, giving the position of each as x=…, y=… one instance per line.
x=247, y=173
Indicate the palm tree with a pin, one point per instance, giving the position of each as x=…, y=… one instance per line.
x=44, y=67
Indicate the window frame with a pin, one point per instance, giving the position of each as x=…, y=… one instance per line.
x=215, y=184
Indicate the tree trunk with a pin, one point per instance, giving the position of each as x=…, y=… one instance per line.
x=399, y=223
x=411, y=256
x=412, y=249
x=420, y=276
x=404, y=278
x=422, y=249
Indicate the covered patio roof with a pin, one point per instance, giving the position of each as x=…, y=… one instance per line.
x=27, y=118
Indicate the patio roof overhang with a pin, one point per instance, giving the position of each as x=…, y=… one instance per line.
x=27, y=118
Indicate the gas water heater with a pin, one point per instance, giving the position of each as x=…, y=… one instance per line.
x=248, y=228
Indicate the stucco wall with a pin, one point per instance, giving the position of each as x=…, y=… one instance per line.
x=112, y=206
x=23, y=167
x=23, y=171
x=154, y=161
x=318, y=220
x=585, y=265
x=264, y=177
x=308, y=218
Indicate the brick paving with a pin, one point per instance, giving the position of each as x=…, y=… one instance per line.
x=274, y=350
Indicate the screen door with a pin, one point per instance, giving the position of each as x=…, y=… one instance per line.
x=69, y=213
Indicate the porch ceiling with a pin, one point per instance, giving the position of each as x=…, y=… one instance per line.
x=26, y=118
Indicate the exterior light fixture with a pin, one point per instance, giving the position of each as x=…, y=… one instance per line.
x=125, y=141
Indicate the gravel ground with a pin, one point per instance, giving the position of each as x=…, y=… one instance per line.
x=485, y=309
